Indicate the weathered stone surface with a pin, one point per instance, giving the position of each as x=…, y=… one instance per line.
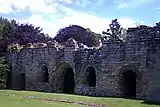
x=155, y=95
x=139, y=54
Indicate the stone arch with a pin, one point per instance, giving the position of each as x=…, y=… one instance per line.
x=89, y=75
x=61, y=65
x=20, y=69
x=130, y=81
x=64, y=78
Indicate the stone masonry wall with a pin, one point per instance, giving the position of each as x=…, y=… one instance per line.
x=138, y=54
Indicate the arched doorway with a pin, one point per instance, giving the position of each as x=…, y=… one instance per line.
x=45, y=74
x=68, y=82
x=129, y=83
x=90, y=76
x=22, y=79
x=9, y=79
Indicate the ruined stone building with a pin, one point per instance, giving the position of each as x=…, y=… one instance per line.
x=130, y=68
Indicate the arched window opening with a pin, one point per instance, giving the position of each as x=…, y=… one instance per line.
x=91, y=77
x=45, y=77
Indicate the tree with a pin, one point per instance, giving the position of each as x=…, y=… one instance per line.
x=5, y=28
x=12, y=33
x=4, y=69
x=26, y=33
x=95, y=37
x=80, y=34
x=115, y=30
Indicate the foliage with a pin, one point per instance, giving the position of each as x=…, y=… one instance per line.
x=5, y=29
x=80, y=34
x=95, y=37
x=15, y=34
x=24, y=34
x=115, y=30
x=4, y=69
x=12, y=33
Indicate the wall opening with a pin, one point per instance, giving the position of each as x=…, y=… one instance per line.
x=9, y=79
x=129, y=82
x=91, y=77
x=68, y=82
x=22, y=79
x=45, y=76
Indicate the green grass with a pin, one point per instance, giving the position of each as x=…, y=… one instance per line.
x=18, y=101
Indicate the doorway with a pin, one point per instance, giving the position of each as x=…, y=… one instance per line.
x=68, y=82
x=22, y=81
x=129, y=82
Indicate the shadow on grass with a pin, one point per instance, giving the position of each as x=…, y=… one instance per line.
x=148, y=102
x=151, y=102
x=129, y=98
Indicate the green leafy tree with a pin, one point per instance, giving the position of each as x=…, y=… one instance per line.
x=4, y=69
x=95, y=37
x=115, y=31
x=13, y=33
x=80, y=34
x=5, y=30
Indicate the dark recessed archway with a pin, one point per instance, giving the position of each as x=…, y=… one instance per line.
x=22, y=81
x=91, y=76
x=129, y=83
x=45, y=76
x=9, y=79
x=68, y=82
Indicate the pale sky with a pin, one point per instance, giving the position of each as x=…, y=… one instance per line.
x=51, y=15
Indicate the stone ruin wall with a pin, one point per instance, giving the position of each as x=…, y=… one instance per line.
x=138, y=53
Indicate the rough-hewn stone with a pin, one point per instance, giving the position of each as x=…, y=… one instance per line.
x=139, y=53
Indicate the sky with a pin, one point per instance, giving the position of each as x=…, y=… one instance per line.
x=52, y=15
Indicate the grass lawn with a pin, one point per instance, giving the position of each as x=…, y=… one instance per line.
x=18, y=101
